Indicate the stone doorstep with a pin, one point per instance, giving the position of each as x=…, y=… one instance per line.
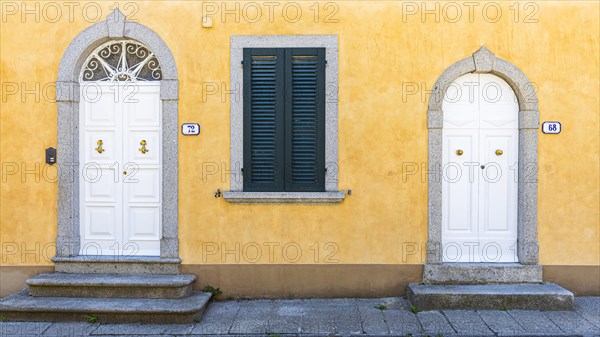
x=111, y=285
x=22, y=307
x=543, y=296
x=90, y=264
x=481, y=273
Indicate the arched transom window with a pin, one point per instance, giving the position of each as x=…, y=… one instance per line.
x=125, y=60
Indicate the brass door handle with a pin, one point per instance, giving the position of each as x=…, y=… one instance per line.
x=459, y=152
x=124, y=172
x=143, y=149
x=499, y=152
x=99, y=149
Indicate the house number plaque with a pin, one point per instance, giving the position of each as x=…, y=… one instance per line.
x=190, y=129
x=551, y=127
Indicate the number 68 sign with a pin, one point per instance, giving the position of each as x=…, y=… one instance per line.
x=551, y=127
x=190, y=129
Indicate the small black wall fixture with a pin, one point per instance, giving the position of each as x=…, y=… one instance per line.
x=50, y=156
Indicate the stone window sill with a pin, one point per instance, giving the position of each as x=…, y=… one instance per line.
x=330, y=197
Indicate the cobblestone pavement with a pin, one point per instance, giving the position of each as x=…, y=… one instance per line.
x=341, y=317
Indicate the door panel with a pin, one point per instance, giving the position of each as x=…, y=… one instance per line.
x=479, y=209
x=459, y=193
x=133, y=146
x=144, y=223
x=498, y=106
x=498, y=187
x=143, y=186
x=458, y=183
x=120, y=185
x=461, y=102
x=110, y=151
x=99, y=104
x=100, y=184
x=101, y=221
x=142, y=105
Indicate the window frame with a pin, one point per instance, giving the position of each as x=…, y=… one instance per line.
x=237, y=193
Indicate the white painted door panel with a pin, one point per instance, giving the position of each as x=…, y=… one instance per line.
x=120, y=187
x=498, y=193
x=459, y=190
x=143, y=191
x=460, y=104
x=479, y=208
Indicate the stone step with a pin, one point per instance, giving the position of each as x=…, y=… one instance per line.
x=111, y=286
x=481, y=273
x=22, y=307
x=99, y=264
x=532, y=296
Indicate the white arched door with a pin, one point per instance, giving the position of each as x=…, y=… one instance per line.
x=120, y=155
x=479, y=171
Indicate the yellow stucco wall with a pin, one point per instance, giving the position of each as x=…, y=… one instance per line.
x=381, y=50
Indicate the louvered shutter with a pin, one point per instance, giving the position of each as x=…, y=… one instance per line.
x=305, y=119
x=263, y=122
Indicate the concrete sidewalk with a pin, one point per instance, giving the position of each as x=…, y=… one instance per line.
x=340, y=317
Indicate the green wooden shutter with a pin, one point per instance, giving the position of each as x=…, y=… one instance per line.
x=305, y=119
x=263, y=125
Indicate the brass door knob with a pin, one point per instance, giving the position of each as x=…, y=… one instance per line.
x=124, y=172
x=459, y=152
x=499, y=152
x=143, y=149
x=99, y=149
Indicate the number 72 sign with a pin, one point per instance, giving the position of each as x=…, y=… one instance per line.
x=190, y=129
x=551, y=127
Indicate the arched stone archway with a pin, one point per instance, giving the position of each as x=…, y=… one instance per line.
x=484, y=61
x=116, y=27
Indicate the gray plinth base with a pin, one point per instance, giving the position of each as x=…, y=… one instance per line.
x=543, y=296
x=22, y=307
x=481, y=273
x=110, y=285
x=89, y=264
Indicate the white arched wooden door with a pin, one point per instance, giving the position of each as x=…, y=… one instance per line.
x=120, y=152
x=479, y=171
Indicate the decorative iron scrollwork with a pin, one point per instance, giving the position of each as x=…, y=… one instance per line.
x=121, y=61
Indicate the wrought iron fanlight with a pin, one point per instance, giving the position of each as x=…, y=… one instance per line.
x=124, y=60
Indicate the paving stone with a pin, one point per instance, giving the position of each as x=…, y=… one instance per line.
x=501, y=322
x=589, y=308
x=467, y=322
x=331, y=316
x=399, y=303
x=143, y=329
x=70, y=329
x=402, y=322
x=287, y=317
x=372, y=320
x=570, y=321
x=253, y=326
x=534, y=321
x=434, y=322
x=255, y=310
x=588, y=302
x=332, y=325
x=153, y=335
x=217, y=311
x=212, y=328
x=23, y=328
x=285, y=325
x=252, y=317
x=289, y=308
